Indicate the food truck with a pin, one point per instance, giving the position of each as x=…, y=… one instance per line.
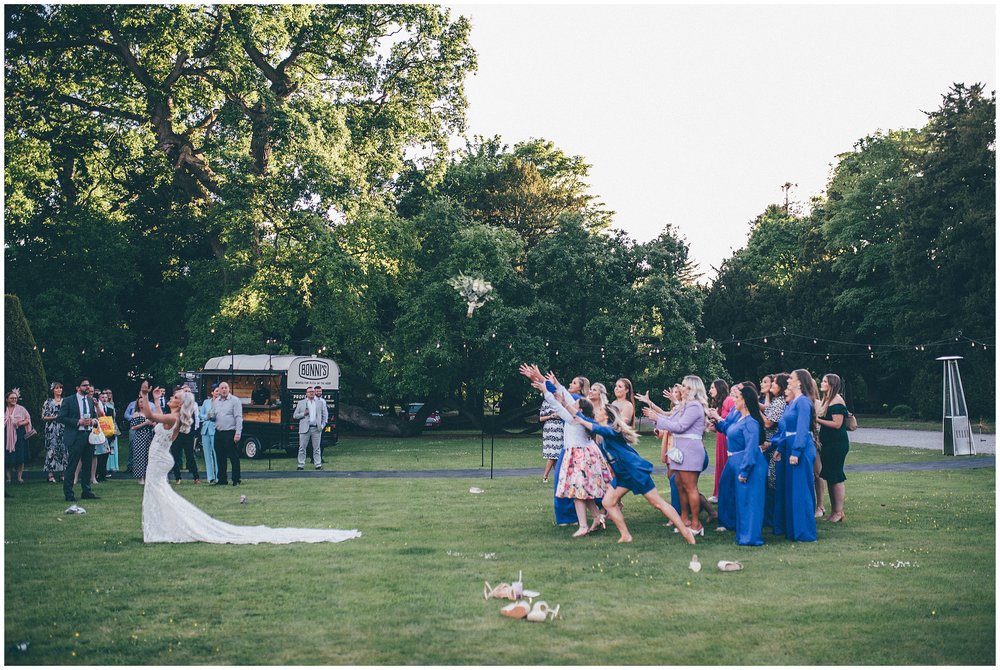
x=270, y=387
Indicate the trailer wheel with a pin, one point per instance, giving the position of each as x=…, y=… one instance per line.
x=252, y=447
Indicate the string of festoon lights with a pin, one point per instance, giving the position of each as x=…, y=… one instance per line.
x=783, y=343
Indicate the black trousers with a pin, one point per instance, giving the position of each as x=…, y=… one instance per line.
x=225, y=449
x=183, y=445
x=79, y=451
x=102, y=467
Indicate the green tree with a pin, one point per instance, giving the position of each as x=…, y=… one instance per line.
x=23, y=364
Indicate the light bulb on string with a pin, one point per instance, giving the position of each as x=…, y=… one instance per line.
x=438, y=345
x=765, y=340
x=35, y=348
x=828, y=357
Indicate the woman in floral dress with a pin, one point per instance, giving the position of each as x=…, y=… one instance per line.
x=55, y=450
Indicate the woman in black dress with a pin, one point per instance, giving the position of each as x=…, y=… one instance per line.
x=833, y=437
x=141, y=431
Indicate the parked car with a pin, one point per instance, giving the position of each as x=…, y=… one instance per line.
x=433, y=419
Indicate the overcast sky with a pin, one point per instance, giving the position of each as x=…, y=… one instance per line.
x=696, y=115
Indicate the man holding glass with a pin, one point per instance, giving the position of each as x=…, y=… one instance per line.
x=78, y=416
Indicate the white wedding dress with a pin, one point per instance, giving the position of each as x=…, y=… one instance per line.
x=168, y=517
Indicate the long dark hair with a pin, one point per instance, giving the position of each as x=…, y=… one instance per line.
x=721, y=393
x=781, y=379
x=586, y=407
x=753, y=407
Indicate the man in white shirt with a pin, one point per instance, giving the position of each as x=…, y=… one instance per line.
x=78, y=415
x=312, y=415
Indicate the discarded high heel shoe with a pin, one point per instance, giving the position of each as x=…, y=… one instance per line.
x=695, y=564
x=730, y=566
x=538, y=612
x=517, y=610
x=505, y=590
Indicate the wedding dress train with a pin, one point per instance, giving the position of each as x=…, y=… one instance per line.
x=168, y=517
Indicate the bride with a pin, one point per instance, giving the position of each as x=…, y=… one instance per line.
x=167, y=517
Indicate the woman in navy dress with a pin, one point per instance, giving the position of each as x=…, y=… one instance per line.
x=747, y=436
x=833, y=438
x=798, y=454
x=632, y=471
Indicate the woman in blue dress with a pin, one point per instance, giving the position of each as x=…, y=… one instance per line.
x=727, y=480
x=632, y=472
x=747, y=437
x=795, y=512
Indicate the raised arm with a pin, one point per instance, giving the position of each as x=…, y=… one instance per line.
x=563, y=413
x=167, y=420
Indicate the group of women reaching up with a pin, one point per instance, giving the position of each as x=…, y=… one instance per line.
x=768, y=471
x=584, y=473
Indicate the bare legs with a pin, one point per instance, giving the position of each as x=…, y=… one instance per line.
x=817, y=468
x=581, y=506
x=549, y=464
x=837, y=492
x=689, y=495
x=655, y=499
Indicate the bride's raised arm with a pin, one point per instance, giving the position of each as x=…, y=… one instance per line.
x=167, y=420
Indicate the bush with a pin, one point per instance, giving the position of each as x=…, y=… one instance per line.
x=902, y=412
x=23, y=366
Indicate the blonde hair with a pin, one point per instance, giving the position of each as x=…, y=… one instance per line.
x=602, y=392
x=697, y=392
x=187, y=411
x=619, y=426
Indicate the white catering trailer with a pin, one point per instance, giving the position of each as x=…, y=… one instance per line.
x=269, y=388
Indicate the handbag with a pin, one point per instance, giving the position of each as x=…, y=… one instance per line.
x=96, y=436
x=107, y=425
x=676, y=455
x=30, y=433
x=851, y=422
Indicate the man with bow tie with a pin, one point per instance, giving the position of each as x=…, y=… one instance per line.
x=78, y=416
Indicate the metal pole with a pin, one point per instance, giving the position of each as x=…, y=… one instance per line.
x=491, y=456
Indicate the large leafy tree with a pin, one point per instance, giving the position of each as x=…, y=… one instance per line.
x=898, y=254
x=172, y=156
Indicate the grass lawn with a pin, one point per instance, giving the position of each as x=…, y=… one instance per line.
x=908, y=579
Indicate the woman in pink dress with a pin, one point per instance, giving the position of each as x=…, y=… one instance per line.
x=719, y=398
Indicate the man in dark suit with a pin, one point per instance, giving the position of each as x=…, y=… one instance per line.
x=78, y=415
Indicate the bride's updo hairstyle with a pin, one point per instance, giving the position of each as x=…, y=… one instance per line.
x=188, y=408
